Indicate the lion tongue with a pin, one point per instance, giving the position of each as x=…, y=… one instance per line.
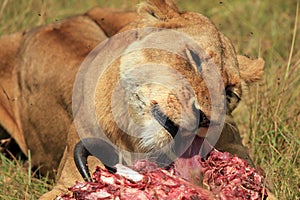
x=188, y=165
x=199, y=146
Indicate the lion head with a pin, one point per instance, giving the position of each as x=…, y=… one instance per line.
x=179, y=77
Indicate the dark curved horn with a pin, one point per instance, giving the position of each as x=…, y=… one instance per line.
x=100, y=149
x=80, y=157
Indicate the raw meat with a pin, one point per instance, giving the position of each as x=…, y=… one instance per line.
x=220, y=176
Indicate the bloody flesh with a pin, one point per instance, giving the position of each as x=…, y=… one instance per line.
x=220, y=176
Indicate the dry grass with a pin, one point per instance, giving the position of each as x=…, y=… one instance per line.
x=269, y=117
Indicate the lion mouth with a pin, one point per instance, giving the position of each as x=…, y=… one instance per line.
x=185, y=146
x=164, y=120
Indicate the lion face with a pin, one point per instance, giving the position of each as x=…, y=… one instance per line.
x=164, y=92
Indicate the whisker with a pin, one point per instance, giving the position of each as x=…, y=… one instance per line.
x=233, y=128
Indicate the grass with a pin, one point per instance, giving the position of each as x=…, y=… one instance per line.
x=268, y=117
x=18, y=182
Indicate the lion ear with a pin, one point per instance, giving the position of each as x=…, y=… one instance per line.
x=158, y=9
x=250, y=70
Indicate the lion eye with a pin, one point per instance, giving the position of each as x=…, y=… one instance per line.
x=233, y=99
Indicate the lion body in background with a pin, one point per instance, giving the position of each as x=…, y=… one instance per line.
x=38, y=69
x=36, y=97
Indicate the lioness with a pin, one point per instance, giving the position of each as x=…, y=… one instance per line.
x=38, y=69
